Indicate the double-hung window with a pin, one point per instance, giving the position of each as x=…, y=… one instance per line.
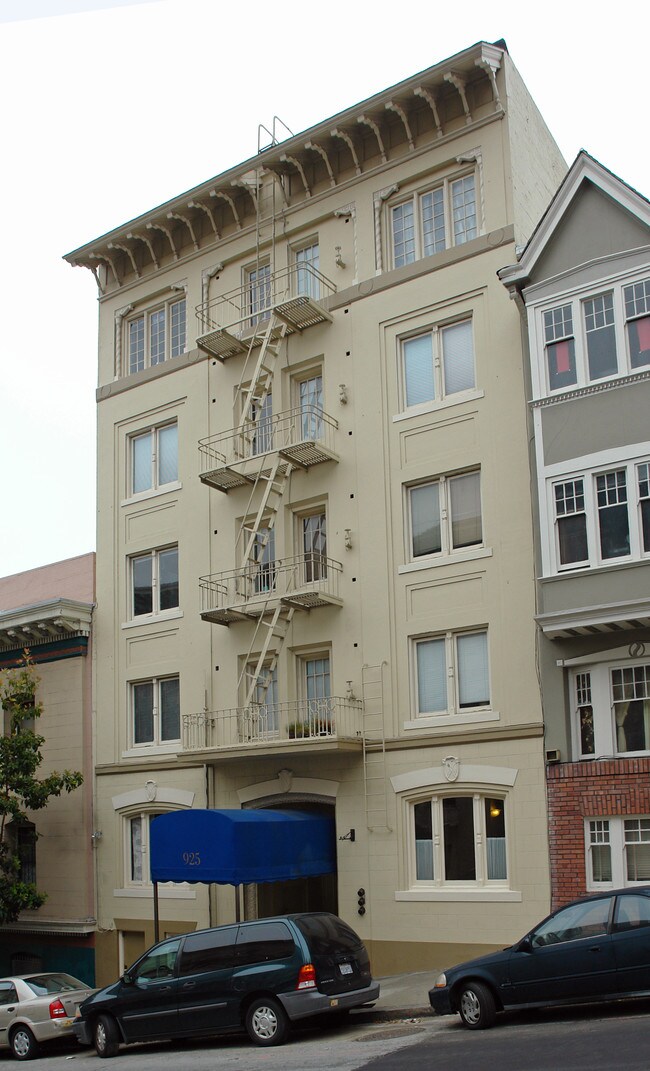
x=597, y=336
x=460, y=840
x=310, y=398
x=602, y=517
x=618, y=854
x=314, y=546
x=154, y=582
x=261, y=718
x=155, y=708
x=445, y=515
x=452, y=673
x=307, y=261
x=154, y=458
x=611, y=709
x=156, y=335
x=258, y=284
x=433, y=220
x=437, y=364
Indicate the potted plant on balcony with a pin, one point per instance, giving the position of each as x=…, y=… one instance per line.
x=299, y=730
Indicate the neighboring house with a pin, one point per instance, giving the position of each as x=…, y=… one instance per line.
x=49, y=612
x=583, y=284
x=315, y=559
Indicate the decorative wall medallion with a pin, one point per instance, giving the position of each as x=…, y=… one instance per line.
x=451, y=767
x=151, y=789
x=285, y=777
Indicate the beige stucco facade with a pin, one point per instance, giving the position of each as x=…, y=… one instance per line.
x=371, y=607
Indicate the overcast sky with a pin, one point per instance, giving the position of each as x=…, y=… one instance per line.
x=111, y=107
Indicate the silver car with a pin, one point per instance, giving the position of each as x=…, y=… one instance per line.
x=36, y=1008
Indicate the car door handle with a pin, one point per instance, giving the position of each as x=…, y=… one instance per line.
x=164, y=989
x=189, y=985
x=595, y=948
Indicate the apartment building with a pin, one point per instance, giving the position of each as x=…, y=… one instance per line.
x=583, y=284
x=49, y=612
x=315, y=567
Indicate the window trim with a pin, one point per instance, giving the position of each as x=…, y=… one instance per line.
x=454, y=714
x=157, y=742
x=156, y=487
x=602, y=705
x=576, y=299
x=145, y=314
x=617, y=854
x=414, y=197
x=441, y=397
x=155, y=612
x=447, y=552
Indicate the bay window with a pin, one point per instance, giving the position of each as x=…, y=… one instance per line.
x=618, y=852
x=611, y=706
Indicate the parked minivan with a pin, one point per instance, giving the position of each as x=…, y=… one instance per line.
x=260, y=975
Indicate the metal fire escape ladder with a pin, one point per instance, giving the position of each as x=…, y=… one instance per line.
x=254, y=395
x=375, y=781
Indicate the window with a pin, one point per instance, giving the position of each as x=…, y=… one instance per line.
x=154, y=458
x=262, y=719
x=314, y=546
x=618, y=852
x=310, y=392
x=429, y=222
x=156, y=335
x=159, y=963
x=264, y=557
x=597, y=337
x=602, y=517
x=211, y=950
x=438, y=363
x=155, y=582
x=139, y=872
x=156, y=711
x=452, y=673
x=612, y=709
x=307, y=264
x=460, y=840
x=574, y=923
x=262, y=419
x=317, y=712
x=258, y=282
x=445, y=515
x=23, y=838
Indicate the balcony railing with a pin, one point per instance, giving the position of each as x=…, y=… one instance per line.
x=229, y=323
x=303, y=436
x=283, y=723
x=306, y=582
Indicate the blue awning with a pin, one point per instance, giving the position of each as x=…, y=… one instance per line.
x=239, y=847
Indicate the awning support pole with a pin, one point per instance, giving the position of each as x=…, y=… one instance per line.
x=237, y=904
x=156, y=918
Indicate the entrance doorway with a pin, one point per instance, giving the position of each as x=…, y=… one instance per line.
x=301, y=894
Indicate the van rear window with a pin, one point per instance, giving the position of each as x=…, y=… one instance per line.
x=260, y=942
x=327, y=934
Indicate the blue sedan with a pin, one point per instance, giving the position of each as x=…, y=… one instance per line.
x=595, y=949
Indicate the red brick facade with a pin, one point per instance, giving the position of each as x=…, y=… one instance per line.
x=579, y=790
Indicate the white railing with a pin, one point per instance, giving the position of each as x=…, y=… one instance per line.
x=271, y=580
x=290, y=428
x=260, y=725
x=247, y=305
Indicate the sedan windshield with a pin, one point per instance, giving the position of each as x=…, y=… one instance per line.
x=42, y=985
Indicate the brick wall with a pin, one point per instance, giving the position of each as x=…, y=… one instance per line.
x=579, y=790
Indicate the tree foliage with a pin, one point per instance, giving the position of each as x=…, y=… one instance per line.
x=21, y=790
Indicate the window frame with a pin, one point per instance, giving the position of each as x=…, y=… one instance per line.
x=255, y=312
x=446, y=518
x=441, y=396
x=617, y=842
x=156, y=741
x=170, y=348
x=453, y=709
x=415, y=199
x=630, y=304
x=157, y=486
x=591, y=689
x=156, y=587
x=312, y=278
x=439, y=881
x=637, y=502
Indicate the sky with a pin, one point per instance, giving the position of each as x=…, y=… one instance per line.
x=111, y=107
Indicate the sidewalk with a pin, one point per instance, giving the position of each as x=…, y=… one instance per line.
x=403, y=996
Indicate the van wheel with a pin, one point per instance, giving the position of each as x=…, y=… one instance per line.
x=267, y=1022
x=106, y=1037
x=23, y=1043
x=477, y=1007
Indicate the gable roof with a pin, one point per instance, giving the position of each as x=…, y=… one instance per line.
x=585, y=168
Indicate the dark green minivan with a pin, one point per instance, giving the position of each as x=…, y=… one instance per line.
x=260, y=975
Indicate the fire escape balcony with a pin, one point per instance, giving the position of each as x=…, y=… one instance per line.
x=302, y=437
x=234, y=322
x=305, y=582
x=324, y=724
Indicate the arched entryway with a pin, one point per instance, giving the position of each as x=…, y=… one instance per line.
x=300, y=894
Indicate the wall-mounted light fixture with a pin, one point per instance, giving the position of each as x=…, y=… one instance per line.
x=351, y=836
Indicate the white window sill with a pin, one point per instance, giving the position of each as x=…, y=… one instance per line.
x=153, y=619
x=494, y=896
x=435, y=406
x=436, y=561
x=152, y=749
x=155, y=493
x=433, y=721
x=179, y=892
